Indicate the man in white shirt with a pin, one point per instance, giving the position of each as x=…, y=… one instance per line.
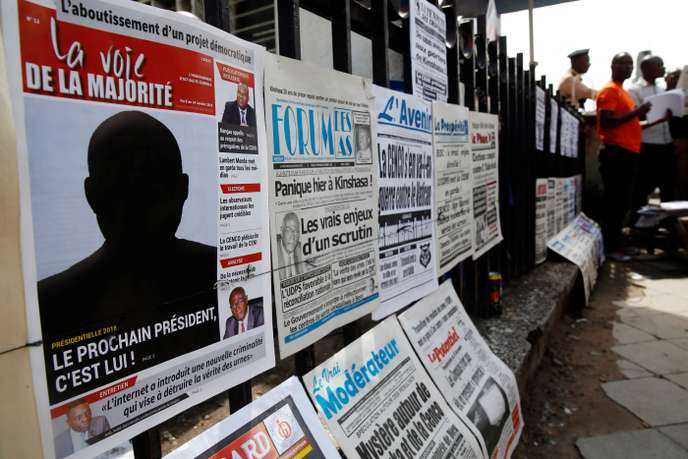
x=571, y=86
x=657, y=161
x=289, y=248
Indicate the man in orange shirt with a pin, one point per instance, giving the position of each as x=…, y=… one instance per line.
x=621, y=135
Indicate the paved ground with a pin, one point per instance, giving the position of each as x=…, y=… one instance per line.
x=651, y=334
x=615, y=384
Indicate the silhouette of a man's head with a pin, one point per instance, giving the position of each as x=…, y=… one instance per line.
x=135, y=186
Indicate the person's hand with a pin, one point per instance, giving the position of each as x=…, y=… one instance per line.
x=643, y=109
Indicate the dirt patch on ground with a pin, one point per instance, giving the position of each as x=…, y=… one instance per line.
x=564, y=399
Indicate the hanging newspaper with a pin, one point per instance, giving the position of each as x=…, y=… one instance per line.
x=559, y=204
x=553, y=124
x=575, y=126
x=281, y=424
x=551, y=208
x=323, y=200
x=570, y=206
x=485, y=150
x=144, y=205
x=539, y=118
x=407, y=227
x=581, y=243
x=378, y=401
x=541, y=216
x=564, y=134
x=428, y=28
x=475, y=382
x=453, y=185
x=579, y=193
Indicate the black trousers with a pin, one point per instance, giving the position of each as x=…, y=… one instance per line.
x=618, y=168
x=656, y=169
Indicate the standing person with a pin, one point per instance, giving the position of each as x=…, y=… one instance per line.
x=570, y=86
x=657, y=160
x=620, y=133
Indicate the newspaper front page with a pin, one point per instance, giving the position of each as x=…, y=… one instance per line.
x=559, y=204
x=484, y=130
x=453, y=185
x=541, y=217
x=581, y=243
x=475, y=382
x=280, y=424
x=551, y=208
x=428, y=28
x=539, y=118
x=406, y=184
x=144, y=210
x=323, y=200
x=378, y=401
x=553, y=125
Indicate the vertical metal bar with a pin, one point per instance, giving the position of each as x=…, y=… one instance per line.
x=147, y=444
x=380, y=39
x=452, y=41
x=341, y=34
x=408, y=68
x=512, y=241
x=504, y=157
x=465, y=277
x=521, y=165
x=217, y=14
x=289, y=32
x=466, y=63
x=493, y=86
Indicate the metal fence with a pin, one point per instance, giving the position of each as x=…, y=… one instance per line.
x=492, y=82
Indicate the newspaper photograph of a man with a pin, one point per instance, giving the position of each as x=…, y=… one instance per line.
x=289, y=256
x=142, y=275
x=364, y=152
x=246, y=314
x=82, y=427
x=238, y=112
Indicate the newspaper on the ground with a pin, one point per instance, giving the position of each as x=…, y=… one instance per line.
x=144, y=212
x=428, y=28
x=484, y=128
x=280, y=424
x=553, y=124
x=541, y=217
x=475, y=382
x=540, y=118
x=453, y=185
x=378, y=401
x=406, y=197
x=581, y=243
x=323, y=200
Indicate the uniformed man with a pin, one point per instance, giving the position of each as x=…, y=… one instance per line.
x=570, y=86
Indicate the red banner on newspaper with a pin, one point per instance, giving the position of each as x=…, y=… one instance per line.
x=95, y=396
x=67, y=60
x=235, y=75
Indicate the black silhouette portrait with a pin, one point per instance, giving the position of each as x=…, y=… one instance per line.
x=142, y=273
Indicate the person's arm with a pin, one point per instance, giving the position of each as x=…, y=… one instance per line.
x=608, y=120
x=664, y=119
x=583, y=92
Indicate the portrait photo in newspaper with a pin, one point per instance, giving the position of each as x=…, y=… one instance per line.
x=130, y=258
